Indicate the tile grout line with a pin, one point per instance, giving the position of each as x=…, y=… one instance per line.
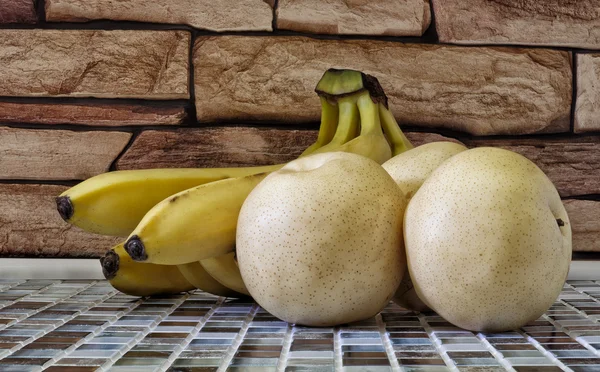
x=240, y=338
x=387, y=344
x=45, y=332
x=583, y=343
x=109, y=363
x=545, y=352
x=436, y=343
x=497, y=354
x=337, y=349
x=96, y=331
x=16, y=320
x=27, y=296
x=583, y=293
x=583, y=313
x=186, y=341
x=285, y=348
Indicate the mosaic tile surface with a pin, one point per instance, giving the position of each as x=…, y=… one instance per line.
x=77, y=326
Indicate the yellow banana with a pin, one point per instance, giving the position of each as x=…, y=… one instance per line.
x=197, y=275
x=192, y=225
x=226, y=271
x=140, y=279
x=201, y=222
x=114, y=203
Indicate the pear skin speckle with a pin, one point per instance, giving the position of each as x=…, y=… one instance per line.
x=483, y=245
x=320, y=243
x=409, y=170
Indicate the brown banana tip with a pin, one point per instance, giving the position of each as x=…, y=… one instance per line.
x=135, y=248
x=64, y=207
x=375, y=89
x=110, y=264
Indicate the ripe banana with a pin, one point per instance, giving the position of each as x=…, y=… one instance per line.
x=226, y=271
x=114, y=203
x=140, y=279
x=192, y=225
x=201, y=222
x=197, y=275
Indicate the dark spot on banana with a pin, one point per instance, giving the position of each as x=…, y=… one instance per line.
x=110, y=264
x=560, y=222
x=135, y=248
x=173, y=199
x=64, y=207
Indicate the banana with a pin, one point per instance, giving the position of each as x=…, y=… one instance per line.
x=192, y=225
x=201, y=222
x=139, y=279
x=114, y=203
x=226, y=271
x=398, y=140
x=197, y=275
x=329, y=119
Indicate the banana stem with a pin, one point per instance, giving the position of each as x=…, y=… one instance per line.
x=392, y=130
x=369, y=115
x=349, y=120
x=328, y=128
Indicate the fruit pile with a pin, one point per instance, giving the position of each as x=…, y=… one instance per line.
x=360, y=218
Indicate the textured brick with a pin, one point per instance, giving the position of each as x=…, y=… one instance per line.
x=100, y=114
x=223, y=15
x=587, y=108
x=17, y=11
x=476, y=90
x=572, y=163
x=571, y=23
x=226, y=147
x=585, y=222
x=31, y=227
x=32, y=154
x=375, y=17
x=92, y=63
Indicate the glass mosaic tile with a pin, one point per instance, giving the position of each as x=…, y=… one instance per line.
x=88, y=326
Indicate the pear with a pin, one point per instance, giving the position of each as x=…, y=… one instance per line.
x=409, y=170
x=319, y=242
x=488, y=240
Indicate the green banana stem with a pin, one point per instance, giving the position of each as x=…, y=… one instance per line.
x=369, y=115
x=327, y=130
x=349, y=120
x=392, y=130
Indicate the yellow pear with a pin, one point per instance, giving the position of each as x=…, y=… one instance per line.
x=319, y=242
x=409, y=170
x=488, y=240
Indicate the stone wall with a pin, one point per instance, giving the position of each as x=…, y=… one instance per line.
x=89, y=86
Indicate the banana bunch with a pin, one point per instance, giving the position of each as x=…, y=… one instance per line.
x=180, y=224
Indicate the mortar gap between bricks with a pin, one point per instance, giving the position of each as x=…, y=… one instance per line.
x=93, y=100
x=40, y=9
x=274, y=21
x=191, y=118
x=85, y=128
x=590, y=197
x=134, y=136
x=102, y=25
x=39, y=182
x=431, y=31
x=573, y=90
